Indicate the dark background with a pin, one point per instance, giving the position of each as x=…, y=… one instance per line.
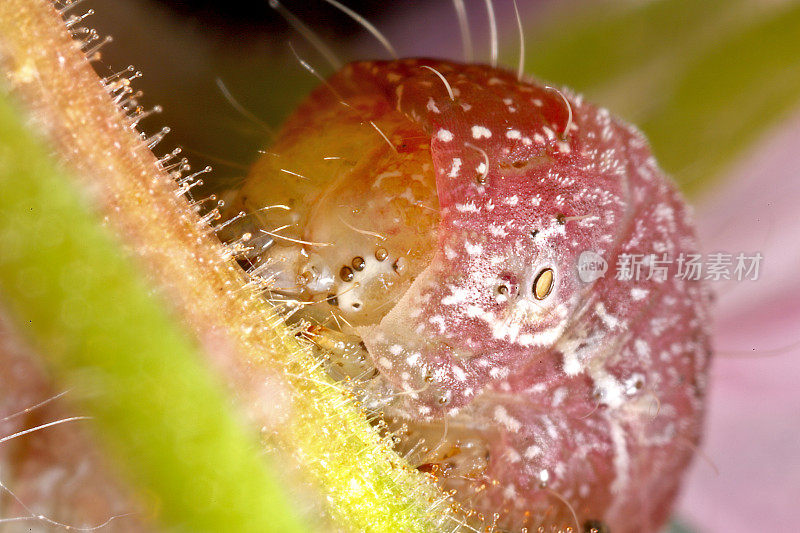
x=183, y=47
x=248, y=18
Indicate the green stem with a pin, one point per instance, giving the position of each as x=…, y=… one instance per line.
x=108, y=337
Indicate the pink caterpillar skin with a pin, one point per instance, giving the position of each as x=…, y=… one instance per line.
x=583, y=402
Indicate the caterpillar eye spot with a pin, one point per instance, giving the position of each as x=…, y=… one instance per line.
x=346, y=273
x=358, y=263
x=502, y=294
x=381, y=254
x=561, y=218
x=595, y=526
x=543, y=284
x=506, y=287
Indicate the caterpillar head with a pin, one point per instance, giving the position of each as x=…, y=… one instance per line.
x=438, y=220
x=526, y=180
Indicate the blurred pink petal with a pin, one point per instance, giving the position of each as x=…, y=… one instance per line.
x=56, y=474
x=753, y=431
x=403, y=30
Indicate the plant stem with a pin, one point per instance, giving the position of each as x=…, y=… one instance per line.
x=100, y=326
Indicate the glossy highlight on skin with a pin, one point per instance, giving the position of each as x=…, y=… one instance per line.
x=423, y=220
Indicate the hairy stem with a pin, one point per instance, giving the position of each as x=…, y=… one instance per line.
x=102, y=330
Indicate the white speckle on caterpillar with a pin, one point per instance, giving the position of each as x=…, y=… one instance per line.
x=444, y=136
x=454, y=170
x=502, y=416
x=481, y=132
x=642, y=348
x=609, y=320
x=473, y=248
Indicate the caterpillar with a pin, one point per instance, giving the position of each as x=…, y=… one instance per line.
x=425, y=222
